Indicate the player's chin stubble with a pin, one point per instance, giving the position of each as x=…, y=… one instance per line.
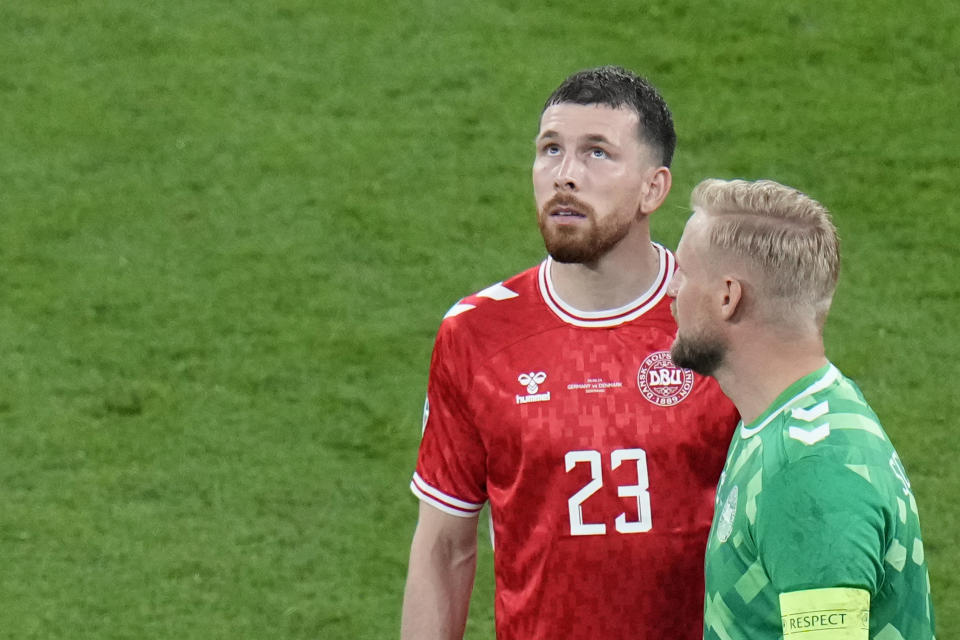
x=702, y=354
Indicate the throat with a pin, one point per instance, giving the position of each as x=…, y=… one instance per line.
x=607, y=284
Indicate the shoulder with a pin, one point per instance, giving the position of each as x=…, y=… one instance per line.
x=517, y=290
x=831, y=422
x=832, y=443
x=498, y=312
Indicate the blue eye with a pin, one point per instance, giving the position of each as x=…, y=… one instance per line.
x=597, y=152
x=551, y=150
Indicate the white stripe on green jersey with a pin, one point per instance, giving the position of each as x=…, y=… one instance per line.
x=813, y=495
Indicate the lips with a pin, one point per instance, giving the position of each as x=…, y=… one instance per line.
x=566, y=213
x=567, y=210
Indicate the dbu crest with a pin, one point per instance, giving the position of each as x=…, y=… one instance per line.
x=663, y=383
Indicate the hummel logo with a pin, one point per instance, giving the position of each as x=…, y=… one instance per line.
x=532, y=381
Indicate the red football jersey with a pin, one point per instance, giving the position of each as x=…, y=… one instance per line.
x=598, y=456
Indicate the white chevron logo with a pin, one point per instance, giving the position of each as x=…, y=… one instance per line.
x=493, y=292
x=811, y=414
x=810, y=437
x=497, y=292
x=457, y=309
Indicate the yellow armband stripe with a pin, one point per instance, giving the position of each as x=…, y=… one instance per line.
x=826, y=614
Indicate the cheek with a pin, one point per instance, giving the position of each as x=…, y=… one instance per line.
x=542, y=177
x=690, y=304
x=626, y=191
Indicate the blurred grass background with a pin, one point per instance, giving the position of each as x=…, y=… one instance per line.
x=228, y=231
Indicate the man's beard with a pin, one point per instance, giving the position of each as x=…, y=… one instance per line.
x=702, y=353
x=576, y=245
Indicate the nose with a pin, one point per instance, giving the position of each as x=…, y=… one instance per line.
x=568, y=174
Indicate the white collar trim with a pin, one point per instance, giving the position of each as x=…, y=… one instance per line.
x=608, y=317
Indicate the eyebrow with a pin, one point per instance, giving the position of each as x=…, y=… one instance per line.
x=596, y=138
x=549, y=134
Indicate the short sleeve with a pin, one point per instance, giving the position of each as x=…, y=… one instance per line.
x=820, y=525
x=451, y=465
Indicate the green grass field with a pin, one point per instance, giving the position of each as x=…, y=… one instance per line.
x=228, y=232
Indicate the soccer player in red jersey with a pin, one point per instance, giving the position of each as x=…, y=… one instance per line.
x=553, y=397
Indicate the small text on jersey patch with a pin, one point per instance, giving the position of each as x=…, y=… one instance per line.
x=594, y=385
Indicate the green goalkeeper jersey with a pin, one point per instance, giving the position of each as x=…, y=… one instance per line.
x=813, y=496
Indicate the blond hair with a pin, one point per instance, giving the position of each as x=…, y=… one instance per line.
x=788, y=236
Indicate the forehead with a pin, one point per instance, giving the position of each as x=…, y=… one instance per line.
x=599, y=120
x=693, y=242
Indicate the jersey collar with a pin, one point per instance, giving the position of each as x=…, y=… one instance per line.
x=608, y=317
x=791, y=396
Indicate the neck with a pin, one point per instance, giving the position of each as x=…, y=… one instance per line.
x=620, y=276
x=758, y=370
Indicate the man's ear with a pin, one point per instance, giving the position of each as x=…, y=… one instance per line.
x=658, y=186
x=732, y=299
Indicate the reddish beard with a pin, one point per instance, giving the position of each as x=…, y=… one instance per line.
x=580, y=243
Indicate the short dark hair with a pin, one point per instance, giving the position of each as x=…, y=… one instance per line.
x=618, y=87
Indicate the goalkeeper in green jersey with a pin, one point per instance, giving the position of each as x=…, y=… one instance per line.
x=815, y=531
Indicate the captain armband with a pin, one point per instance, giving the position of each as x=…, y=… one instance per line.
x=837, y=613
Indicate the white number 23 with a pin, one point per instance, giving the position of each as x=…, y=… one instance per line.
x=640, y=491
